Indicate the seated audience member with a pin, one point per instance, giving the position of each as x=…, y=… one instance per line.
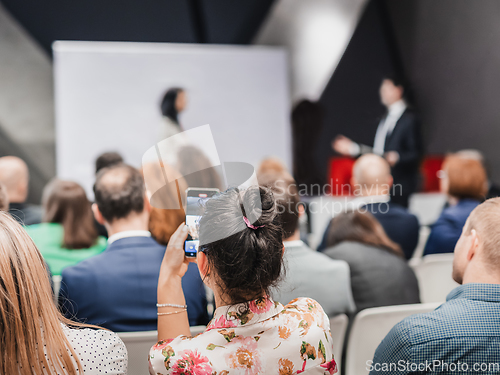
x=240, y=259
x=35, y=337
x=117, y=289
x=372, y=183
x=380, y=275
x=271, y=165
x=67, y=234
x=191, y=158
x=465, y=183
x=493, y=190
x=308, y=273
x=466, y=329
x=106, y=160
x=166, y=208
x=4, y=198
x=14, y=175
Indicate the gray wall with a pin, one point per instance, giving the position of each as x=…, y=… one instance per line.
x=451, y=55
x=26, y=102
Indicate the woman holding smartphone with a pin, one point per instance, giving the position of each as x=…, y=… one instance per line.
x=240, y=259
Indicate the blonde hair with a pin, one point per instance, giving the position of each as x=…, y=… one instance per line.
x=32, y=340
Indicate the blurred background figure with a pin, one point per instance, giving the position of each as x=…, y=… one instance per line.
x=380, y=275
x=164, y=218
x=191, y=158
x=173, y=103
x=493, y=190
x=307, y=272
x=371, y=183
x=397, y=139
x=107, y=159
x=465, y=183
x=15, y=177
x=307, y=123
x=4, y=198
x=271, y=165
x=67, y=234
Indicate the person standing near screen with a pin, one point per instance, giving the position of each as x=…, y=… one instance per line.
x=173, y=103
x=397, y=139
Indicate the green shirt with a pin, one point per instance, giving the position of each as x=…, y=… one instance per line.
x=48, y=237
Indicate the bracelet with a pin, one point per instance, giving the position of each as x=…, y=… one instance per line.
x=171, y=305
x=172, y=312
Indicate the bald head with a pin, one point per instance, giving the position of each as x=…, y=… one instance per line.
x=371, y=174
x=477, y=252
x=119, y=191
x=485, y=220
x=14, y=176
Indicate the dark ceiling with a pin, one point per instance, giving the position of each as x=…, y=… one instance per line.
x=186, y=21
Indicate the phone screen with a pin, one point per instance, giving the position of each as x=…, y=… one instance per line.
x=196, y=198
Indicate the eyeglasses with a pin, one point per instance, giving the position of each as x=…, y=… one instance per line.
x=441, y=174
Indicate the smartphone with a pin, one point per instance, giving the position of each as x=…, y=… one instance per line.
x=195, y=201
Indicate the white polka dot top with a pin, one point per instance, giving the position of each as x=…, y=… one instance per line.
x=99, y=351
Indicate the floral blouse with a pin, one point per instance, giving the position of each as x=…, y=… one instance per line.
x=261, y=337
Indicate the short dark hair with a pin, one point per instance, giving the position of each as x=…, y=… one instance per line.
x=396, y=79
x=119, y=190
x=247, y=262
x=287, y=199
x=107, y=159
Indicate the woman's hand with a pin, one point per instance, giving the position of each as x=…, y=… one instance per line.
x=174, y=261
x=173, y=267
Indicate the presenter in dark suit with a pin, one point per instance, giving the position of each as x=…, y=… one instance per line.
x=117, y=289
x=397, y=138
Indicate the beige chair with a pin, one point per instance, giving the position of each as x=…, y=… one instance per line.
x=423, y=236
x=338, y=327
x=138, y=345
x=369, y=328
x=434, y=277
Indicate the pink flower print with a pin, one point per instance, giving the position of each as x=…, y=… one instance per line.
x=192, y=363
x=222, y=322
x=260, y=305
x=244, y=356
x=162, y=344
x=331, y=366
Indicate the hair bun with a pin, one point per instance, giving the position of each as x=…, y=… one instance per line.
x=258, y=205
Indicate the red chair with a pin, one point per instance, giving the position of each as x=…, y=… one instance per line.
x=339, y=175
x=429, y=168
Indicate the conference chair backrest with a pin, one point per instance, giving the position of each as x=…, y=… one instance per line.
x=138, y=345
x=56, y=285
x=427, y=206
x=338, y=328
x=423, y=236
x=434, y=277
x=370, y=327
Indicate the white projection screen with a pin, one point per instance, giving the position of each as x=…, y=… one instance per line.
x=108, y=94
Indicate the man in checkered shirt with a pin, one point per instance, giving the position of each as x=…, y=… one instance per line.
x=462, y=336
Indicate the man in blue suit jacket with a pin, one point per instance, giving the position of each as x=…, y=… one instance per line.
x=372, y=182
x=118, y=288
